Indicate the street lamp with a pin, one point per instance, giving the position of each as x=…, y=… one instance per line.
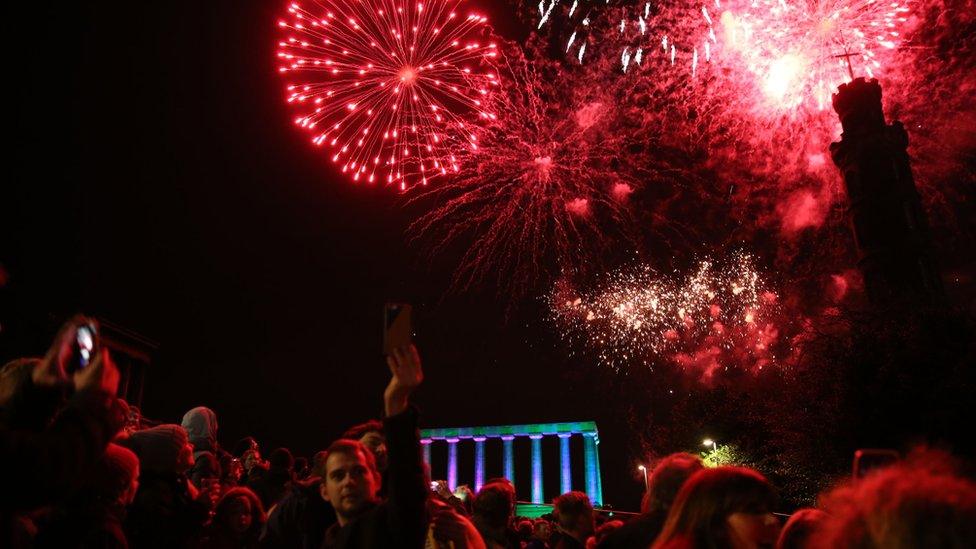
x=710, y=442
x=643, y=469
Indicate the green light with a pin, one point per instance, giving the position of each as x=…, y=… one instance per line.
x=495, y=431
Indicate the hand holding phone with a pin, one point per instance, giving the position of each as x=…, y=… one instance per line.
x=84, y=348
x=406, y=374
x=65, y=357
x=397, y=326
x=101, y=374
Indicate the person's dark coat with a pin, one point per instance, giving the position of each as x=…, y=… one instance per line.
x=640, y=531
x=201, y=428
x=44, y=466
x=219, y=537
x=400, y=520
x=272, y=486
x=88, y=524
x=164, y=514
x=562, y=540
x=300, y=519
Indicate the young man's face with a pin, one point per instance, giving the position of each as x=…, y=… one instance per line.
x=348, y=485
x=239, y=517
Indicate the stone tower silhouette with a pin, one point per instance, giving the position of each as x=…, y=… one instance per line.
x=885, y=213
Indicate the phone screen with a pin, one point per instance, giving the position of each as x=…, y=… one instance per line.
x=85, y=337
x=397, y=326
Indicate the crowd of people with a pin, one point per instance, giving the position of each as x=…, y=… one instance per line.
x=78, y=474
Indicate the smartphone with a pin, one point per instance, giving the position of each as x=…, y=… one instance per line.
x=85, y=346
x=871, y=459
x=397, y=326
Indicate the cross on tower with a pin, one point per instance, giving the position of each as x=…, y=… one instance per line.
x=847, y=56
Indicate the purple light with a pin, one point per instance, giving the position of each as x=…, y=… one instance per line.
x=479, y=463
x=452, y=462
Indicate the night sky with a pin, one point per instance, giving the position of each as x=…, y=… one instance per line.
x=158, y=183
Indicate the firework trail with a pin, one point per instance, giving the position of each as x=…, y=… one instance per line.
x=393, y=88
x=573, y=17
x=715, y=318
x=542, y=189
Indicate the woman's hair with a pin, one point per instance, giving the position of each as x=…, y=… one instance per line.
x=698, y=515
x=494, y=504
x=258, y=516
x=801, y=529
x=921, y=502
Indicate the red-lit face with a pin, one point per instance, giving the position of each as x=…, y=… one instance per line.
x=541, y=531
x=251, y=458
x=752, y=530
x=376, y=443
x=185, y=460
x=348, y=485
x=130, y=493
x=239, y=515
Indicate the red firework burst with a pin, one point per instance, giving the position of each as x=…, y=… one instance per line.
x=799, y=52
x=715, y=84
x=542, y=188
x=392, y=87
x=787, y=53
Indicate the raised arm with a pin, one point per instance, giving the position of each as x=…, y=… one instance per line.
x=407, y=489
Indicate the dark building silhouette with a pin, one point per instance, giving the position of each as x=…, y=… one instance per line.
x=132, y=354
x=890, y=228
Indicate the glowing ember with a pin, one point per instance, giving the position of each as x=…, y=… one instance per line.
x=393, y=88
x=714, y=318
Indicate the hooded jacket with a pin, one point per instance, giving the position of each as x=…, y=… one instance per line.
x=201, y=427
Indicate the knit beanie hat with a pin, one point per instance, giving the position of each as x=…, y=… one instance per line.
x=158, y=448
x=116, y=470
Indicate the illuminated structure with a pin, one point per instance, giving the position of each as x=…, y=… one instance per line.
x=535, y=432
x=886, y=216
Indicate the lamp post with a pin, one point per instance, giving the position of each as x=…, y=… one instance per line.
x=643, y=469
x=712, y=443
